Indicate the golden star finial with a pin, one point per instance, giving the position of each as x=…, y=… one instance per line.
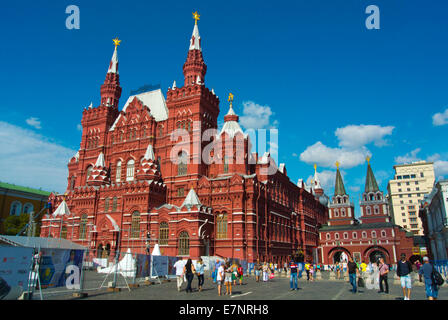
x=337, y=164
x=315, y=167
x=368, y=159
x=196, y=17
x=116, y=42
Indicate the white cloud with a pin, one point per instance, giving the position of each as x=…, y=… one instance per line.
x=326, y=157
x=34, y=122
x=79, y=127
x=441, y=169
x=32, y=160
x=408, y=157
x=326, y=177
x=440, y=118
x=256, y=116
x=355, y=136
x=355, y=188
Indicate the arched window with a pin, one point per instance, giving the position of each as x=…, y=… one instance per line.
x=336, y=236
x=364, y=234
x=114, y=204
x=88, y=172
x=345, y=235
x=163, y=233
x=336, y=213
x=106, y=205
x=130, y=170
x=63, y=232
x=135, y=225
x=342, y=212
x=383, y=233
x=368, y=211
x=182, y=164
x=221, y=226
x=376, y=210
x=83, y=227
x=373, y=234
x=118, y=172
x=72, y=182
x=328, y=236
x=28, y=207
x=354, y=235
x=184, y=244
x=16, y=208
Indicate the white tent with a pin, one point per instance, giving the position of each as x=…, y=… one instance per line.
x=156, y=250
x=126, y=266
x=62, y=210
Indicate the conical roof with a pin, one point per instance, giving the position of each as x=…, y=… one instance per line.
x=192, y=199
x=62, y=210
x=339, y=189
x=371, y=184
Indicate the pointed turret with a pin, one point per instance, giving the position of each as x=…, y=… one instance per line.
x=371, y=184
x=99, y=174
x=339, y=189
x=194, y=67
x=111, y=90
x=149, y=168
x=231, y=125
x=191, y=199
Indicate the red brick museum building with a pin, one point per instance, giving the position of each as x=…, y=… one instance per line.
x=129, y=181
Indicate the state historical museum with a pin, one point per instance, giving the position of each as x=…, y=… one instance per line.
x=124, y=188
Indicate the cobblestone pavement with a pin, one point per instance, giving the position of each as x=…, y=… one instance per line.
x=276, y=289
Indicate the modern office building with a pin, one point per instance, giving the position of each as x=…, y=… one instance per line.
x=410, y=184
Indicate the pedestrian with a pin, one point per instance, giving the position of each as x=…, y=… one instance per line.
x=307, y=269
x=257, y=269
x=383, y=271
x=234, y=268
x=353, y=271
x=338, y=270
x=265, y=272
x=285, y=266
x=220, y=276
x=404, y=269
x=293, y=281
x=200, y=266
x=179, y=266
x=228, y=279
x=215, y=270
x=363, y=267
x=312, y=272
x=240, y=274
x=189, y=272
x=432, y=291
x=300, y=267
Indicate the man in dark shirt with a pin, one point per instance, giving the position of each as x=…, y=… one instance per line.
x=293, y=278
x=404, y=269
x=431, y=288
x=352, y=269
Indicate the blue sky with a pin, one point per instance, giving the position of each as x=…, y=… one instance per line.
x=312, y=69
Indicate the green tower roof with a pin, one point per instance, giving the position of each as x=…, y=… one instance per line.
x=371, y=184
x=339, y=189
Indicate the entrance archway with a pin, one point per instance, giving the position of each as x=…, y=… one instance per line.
x=375, y=256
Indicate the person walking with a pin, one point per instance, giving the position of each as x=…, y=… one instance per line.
x=432, y=291
x=285, y=266
x=215, y=270
x=338, y=271
x=353, y=271
x=404, y=269
x=234, y=268
x=265, y=272
x=189, y=272
x=179, y=266
x=312, y=269
x=293, y=281
x=228, y=279
x=300, y=266
x=200, y=266
x=220, y=276
x=307, y=269
x=257, y=268
x=240, y=274
x=383, y=271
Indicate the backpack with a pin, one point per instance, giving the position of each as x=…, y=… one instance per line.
x=436, y=277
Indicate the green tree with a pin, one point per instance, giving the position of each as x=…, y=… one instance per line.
x=13, y=224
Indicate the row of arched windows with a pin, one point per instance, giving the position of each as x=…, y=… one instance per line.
x=184, y=239
x=93, y=142
x=16, y=208
x=221, y=225
x=185, y=124
x=107, y=204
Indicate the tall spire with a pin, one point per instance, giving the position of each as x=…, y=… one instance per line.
x=316, y=179
x=231, y=125
x=339, y=189
x=371, y=184
x=110, y=89
x=195, y=68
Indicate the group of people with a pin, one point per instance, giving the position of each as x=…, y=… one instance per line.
x=227, y=273
x=187, y=271
x=404, y=269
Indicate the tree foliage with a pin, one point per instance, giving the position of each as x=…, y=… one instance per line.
x=13, y=224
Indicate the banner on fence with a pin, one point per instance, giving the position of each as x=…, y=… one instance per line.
x=53, y=271
x=171, y=262
x=143, y=264
x=159, y=266
x=15, y=266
